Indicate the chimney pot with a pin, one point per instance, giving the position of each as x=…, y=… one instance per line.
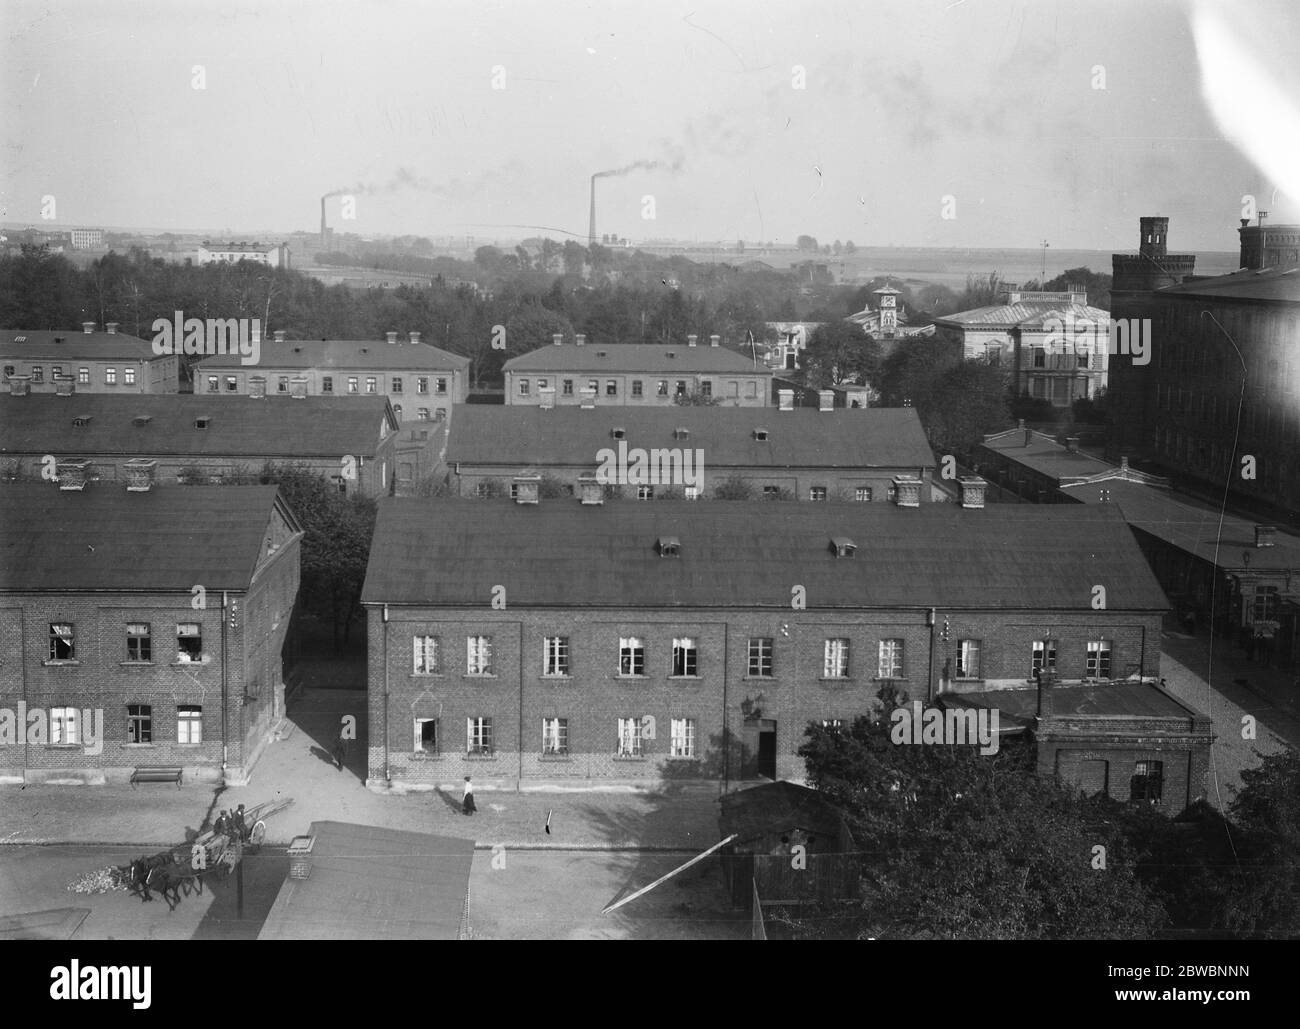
x=785, y=399
x=590, y=490
x=87, y=327
x=140, y=474
x=1044, y=693
x=690, y=340
x=714, y=340
x=414, y=337
x=279, y=335
x=1072, y=444
x=557, y=340
x=527, y=488
x=298, y=386
x=826, y=400
x=63, y=385
x=72, y=475
x=1029, y=435
x=257, y=386
x=392, y=337
x=1123, y=464
x=907, y=491
x=19, y=385
x=972, y=489
x=579, y=339
x=112, y=328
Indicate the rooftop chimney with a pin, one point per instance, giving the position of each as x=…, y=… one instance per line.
x=714, y=340
x=63, y=385
x=257, y=385
x=527, y=488
x=1045, y=684
x=972, y=491
x=590, y=491
x=414, y=337
x=392, y=337
x=557, y=340
x=580, y=339
x=87, y=327
x=72, y=474
x=298, y=386
x=1265, y=535
x=588, y=398
x=279, y=335
x=1123, y=465
x=1029, y=435
x=112, y=328
x=546, y=398
x=1072, y=444
x=140, y=475
x=690, y=340
x=785, y=399
x=907, y=491
x=825, y=400
x=19, y=385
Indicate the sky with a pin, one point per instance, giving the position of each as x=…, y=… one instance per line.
x=980, y=123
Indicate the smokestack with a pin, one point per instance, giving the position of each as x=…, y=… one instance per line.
x=324, y=231
x=591, y=225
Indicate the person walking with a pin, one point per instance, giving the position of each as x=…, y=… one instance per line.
x=467, y=802
x=340, y=750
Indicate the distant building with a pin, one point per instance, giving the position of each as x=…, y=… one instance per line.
x=37, y=360
x=86, y=239
x=165, y=438
x=792, y=340
x=798, y=454
x=635, y=374
x=274, y=254
x=156, y=614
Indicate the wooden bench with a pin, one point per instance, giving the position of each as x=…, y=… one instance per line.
x=157, y=773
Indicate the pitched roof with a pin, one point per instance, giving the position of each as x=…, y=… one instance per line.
x=844, y=438
x=105, y=539
x=343, y=354
x=446, y=552
x=1265, y=284
x=76, y=345
x=635, y=357
x=1025, y=314
x=776, y=807
x=237, y=426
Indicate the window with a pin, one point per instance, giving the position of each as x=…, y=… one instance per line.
x=232, y=384
x=372, y=384
x=442, y=387
x=128, y=376
x=139, y=645
x=397, y=411
x=681, y=387
x=478, y=660
x=56, y=373
x=110, y=376
x=214, y=384
x=891, y=659
x=662, y=388
x=10, y=369
x=685, y=656
x=817, y=493
x=352, y=384
x=691, y=492
x=427, y=657
x=1043, y=657
x=139, y=723
x=422, y=384
x=523, y=387
x=63, y=641
x=833, y=724
x=555, y=736
x=1148, y=781
x=836, y=663
x=645, y=493
x=863, y=494
x=38, y=373
x=282, y=384
x=426, y=736
x=396, y=384
x=1082, y=357
x=1040, y=357
x=760, y=656
x=631, y=655
x=422, y=414
x=682, y=737
x=189, y=723
x=63, y=725
x=706, y=388
x=189, y=642
x=1265, y=603
x=566, y=387
x=1098, y=665
x=611, y=387
x=968, y=659
x=83, y=377
x=327, y=384
x=771, y=492
x=478, y=735
x=636, y=388
x=555, y=656
x=629, y=737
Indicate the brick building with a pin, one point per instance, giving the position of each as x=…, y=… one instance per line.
x=276, y=255
x=47, y=361
x=351, y=440
x=160, y=613
x=798, y=454
x=567, y=642
x=635, y=374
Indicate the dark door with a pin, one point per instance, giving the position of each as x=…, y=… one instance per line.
x=767, y=750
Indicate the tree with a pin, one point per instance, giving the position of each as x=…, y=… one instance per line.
x=981, y=291
x=850, y=247
x=837, y=248
x=734, y=487
x=807, y=243
x=837, y=352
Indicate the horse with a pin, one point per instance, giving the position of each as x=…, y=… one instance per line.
x=168, y=884
x=139, y=871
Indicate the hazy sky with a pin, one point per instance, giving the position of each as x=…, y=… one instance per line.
x=989, y=102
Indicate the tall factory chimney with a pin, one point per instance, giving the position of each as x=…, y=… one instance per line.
x=324, y=232
x=591, y=225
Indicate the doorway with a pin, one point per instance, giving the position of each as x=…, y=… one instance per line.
x=767, y=748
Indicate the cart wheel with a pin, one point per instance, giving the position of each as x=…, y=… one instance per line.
x=258, y=834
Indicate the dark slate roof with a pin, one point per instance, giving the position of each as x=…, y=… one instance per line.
x=651, y=358
x=40, y=345
x=368, y=883
x=106, y=539
x=238, y=426
x=342, y=354
x=776, y=807
x=802, y=438
x=1267, y=284
x=446, y=552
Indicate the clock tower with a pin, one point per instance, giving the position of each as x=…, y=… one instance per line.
x=888, y=310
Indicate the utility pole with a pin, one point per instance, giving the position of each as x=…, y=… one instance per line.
x=1043, y=278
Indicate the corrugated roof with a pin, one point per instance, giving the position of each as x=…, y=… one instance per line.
x=651, y=358
x=104, y=538
x=446, y=552
x=237, y=426
x=1026, y=314
x=39, y=344
x=1266, y=284
x=342, y=354
x=368, y=883
x=802, y=438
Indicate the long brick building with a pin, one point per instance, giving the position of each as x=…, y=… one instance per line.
x=567, y=642
x=87, y=360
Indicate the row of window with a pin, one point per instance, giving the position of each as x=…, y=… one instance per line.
x=863, y=494
x=37, y=373
x=630, y=736
x=139, y=642
x=353, y=384
x=638, y=387
x=836, y=663
x=66, y=728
